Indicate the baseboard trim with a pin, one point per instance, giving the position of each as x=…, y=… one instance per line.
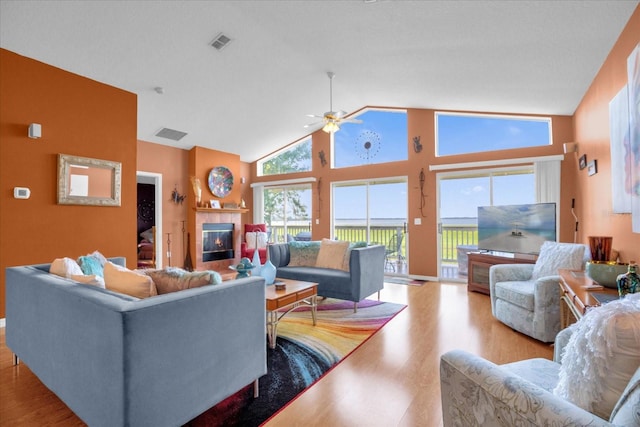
x=427, y=278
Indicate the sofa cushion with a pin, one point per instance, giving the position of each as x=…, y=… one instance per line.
x=601, y=356
x=65, y=267
x=120, y=279
x=518, y=293
x=173, y=279
x=555, y=255
x=303, y=253
x=332, y=253
x=327, y=279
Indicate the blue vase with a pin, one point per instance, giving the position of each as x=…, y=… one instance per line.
x=629, y=282
x=256, y=261
x=268, y=271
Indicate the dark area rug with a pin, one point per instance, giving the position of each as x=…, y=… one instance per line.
x=303, y=354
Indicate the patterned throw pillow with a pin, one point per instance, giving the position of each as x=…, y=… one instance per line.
x=303, y=254
x=173, y=279
x=332, y=253
x=557, y=255
x=93, y=263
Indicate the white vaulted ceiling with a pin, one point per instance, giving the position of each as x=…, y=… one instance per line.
x=252, y=97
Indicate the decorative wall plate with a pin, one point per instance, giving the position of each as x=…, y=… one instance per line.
x=220, y=181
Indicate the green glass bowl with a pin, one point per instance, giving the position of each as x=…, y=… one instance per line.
x=606, y=272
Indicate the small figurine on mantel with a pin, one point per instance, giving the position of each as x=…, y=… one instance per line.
x=243, y=205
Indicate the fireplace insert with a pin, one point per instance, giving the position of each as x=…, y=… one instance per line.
x=217, y=241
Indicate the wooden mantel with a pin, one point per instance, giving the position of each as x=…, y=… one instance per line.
x=221, y=210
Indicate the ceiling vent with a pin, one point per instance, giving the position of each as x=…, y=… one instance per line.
x=220, y=41
x=172, y=134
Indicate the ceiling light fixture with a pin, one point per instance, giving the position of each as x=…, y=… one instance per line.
x=331, y=127
x=220, y=42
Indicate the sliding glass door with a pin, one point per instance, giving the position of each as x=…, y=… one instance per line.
x=373, y=211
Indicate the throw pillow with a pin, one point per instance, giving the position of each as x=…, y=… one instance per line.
x=332, y=253
x=93, y=263
x=555, y=255
x=89, y=280
x=173, y=279
x=303, y=253
x=147, y=235
x=65, y=267
x=347, y=255
x=120, y=279
x=252, y=238
x=601, y=356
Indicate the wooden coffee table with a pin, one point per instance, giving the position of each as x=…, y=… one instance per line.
x=295, y=294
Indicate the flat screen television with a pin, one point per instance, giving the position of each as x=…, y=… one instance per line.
x=516, y=228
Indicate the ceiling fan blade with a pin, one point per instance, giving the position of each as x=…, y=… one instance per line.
x=315, y=116
x=348, y=120
x=311, y=125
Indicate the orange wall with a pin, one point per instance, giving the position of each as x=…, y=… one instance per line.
x=423, y=239
x=173, y=164
x=593, y=193
x=79, y=117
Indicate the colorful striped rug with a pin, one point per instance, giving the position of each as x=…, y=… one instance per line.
x=303, y=354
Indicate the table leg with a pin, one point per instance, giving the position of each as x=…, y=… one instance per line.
x=314, y=304
x=272, y=328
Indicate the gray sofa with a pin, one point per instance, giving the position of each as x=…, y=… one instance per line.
x=116, y=360
x=364, y=278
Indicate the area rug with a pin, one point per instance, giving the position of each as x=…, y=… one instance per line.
x=404, y=281
x=303, y=354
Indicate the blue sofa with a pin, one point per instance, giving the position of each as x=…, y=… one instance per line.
x=116, y=360
x=364, y=278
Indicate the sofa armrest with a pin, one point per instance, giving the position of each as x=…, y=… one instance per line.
x=510, y=273
x=366, y=266
x=477, y=392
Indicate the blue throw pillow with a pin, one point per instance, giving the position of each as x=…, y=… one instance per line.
x=91, y=265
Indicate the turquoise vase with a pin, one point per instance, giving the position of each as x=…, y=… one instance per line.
x=268, y=271
x=256, y=262
x=628, y=282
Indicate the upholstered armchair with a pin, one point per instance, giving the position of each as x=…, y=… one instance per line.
x=526, y=297
x=250, y=239
x=594, y=379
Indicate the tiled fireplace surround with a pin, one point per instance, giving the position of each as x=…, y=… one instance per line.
x=204, y=216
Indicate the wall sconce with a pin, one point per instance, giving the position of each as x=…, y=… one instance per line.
x=570, y=147
x=35, y=130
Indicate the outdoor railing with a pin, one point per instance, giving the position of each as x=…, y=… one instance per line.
x=452, y=236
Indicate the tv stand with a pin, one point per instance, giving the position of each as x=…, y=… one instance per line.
x=480, y=262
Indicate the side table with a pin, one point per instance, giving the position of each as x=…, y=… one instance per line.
x=576, y=295
x=295, y=294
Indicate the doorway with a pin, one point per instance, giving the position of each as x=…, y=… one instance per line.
x=374, y=211
x=155, y=180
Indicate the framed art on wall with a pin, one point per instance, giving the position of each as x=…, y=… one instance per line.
x=215, y=204
x=583, y=161
x=592, y=168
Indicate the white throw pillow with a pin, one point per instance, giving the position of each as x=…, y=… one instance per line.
x=125, y=281
x=332, y=253
x=555, y=255
x=251, y=237
x=89, y=279
x=65, y=267
x=601, y=356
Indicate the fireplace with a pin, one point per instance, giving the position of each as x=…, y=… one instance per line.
x=217, y=241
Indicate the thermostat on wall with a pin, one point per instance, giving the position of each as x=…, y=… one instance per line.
x=21, y=193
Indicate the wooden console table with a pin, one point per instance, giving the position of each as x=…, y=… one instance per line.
x=576, y=295
x=479, y=264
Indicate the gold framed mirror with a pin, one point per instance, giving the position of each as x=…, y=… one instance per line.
x=87, y=181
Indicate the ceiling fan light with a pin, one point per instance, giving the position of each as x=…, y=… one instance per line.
x=331, y=127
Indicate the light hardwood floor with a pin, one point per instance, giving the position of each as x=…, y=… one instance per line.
x=391, y=380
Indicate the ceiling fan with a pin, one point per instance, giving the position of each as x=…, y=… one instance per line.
x=331, y=120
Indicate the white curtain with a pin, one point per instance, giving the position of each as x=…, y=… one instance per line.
x=547, y=175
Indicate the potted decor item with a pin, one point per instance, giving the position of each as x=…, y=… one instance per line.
x=628, y=282
x=605, y=273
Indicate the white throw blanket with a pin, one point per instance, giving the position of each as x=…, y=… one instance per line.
x=601, y=356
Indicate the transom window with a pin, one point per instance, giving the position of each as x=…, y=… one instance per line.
x=295, y=158
x=380, y=138
x=458, y=133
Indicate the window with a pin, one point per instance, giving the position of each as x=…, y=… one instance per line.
x=287, y=212
x=295, y=158
x=474, y=133
x=380, y=138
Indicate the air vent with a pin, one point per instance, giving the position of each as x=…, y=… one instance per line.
x=172, y=134
x=220, y=41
